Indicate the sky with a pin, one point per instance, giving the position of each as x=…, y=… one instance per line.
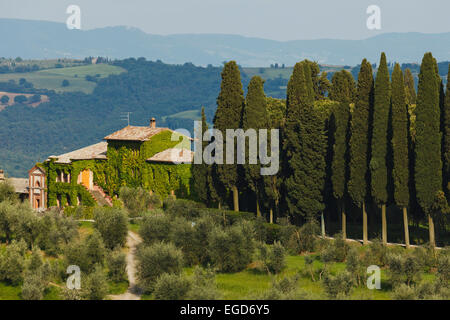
x=270, y=19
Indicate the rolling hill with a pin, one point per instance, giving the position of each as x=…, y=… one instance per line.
x=44, y=40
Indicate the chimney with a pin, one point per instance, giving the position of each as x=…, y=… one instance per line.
x=152, y=123
x=2, y=175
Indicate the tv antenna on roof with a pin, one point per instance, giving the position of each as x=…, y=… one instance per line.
x=126, y=117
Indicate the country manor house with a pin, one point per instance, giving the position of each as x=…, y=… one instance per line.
x=133, y=156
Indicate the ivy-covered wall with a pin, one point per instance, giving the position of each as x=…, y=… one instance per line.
x=126, y=166
x=69, y=193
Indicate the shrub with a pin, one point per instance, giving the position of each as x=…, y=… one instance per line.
x=155, y=229
x=171, y=287
x=340, y=248
x=35, y=261
x=404, y=269
x=183, y=234
x=95, y=285
x=202, y=229
x=378, y=253
x=113, y=226
x=443, y=271
x=272, y=257
x=20, y=220
x=231, y=249
x=339, y=286
x=33, y=286
x=55, y=232
x=285, y=289
x=298, y=240
x=155, y=201
x=79, y=212
x=156, y=259
x=7, y=192
x=356, y=265
x=20, y=99
x=427, y=256
x=95, y=248
x=12, y=263
x=136, y=200
x=86, y=253
x=117, y=265
x=203, y=285
x=404, y=292
x=184, y=208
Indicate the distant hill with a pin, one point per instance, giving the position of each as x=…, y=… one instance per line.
x=44, y=40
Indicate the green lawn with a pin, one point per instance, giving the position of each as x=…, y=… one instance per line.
x=250, y=283
x=8, y=292
x=52, y=78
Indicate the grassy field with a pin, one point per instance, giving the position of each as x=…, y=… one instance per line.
x=269, y=73
x=52, y=78
x=250, y=283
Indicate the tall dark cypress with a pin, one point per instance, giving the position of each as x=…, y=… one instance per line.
x=342, y=86
x=446, y=140
x=343, y=91
x=228, y=116
x=399, y=144
x=255, y=117
x=378, y=163
x=409, y=87
x=428, y=165
x=304, y=142
x=201, y=173
x=359, y=141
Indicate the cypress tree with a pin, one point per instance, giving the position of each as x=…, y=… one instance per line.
x=255, y=117
x=359, y=141
x=201, y=173
x=410, y=88
x=228, y=116
x=343, y=91
x=400, y=146
x=304, y=143
x=446, y=134
x=343, y=87
x=428, y=165
x=339, y=172
x=378, y=163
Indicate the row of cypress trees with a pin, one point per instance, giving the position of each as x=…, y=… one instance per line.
x=367, y=150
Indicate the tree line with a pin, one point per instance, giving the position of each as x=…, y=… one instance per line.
x=344, y=145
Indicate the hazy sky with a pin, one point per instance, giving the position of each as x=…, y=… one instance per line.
x=271, y=19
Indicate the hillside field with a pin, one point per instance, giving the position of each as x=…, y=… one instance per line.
x=51, y=79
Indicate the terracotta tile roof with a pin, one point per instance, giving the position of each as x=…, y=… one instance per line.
x=95, y=151
x=173, y=155
x=132, y=133
x=20, y=184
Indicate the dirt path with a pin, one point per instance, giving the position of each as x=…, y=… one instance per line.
x=132, y=293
